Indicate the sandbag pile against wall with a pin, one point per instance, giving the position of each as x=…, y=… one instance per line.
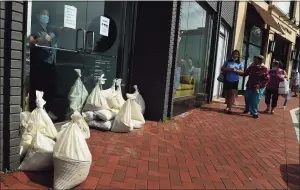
x=102, y=118
x=38, y=120
x=71, y=156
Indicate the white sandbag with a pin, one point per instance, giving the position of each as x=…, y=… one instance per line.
x=119, y=97
x=78, y=94
x=105, y=115
x=96, y=100
x=39, y=156
x=123, y=122
x=101, y=125
x=89, y=115
x=81, y=124
x=25, y=142
x=139, y=99
x=283, y=87
x=111, y=96
x=72, y=157
x=136, y=115
x=23, y=121
x=39, y=120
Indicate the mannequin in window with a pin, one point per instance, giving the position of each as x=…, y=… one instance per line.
x=42, y=60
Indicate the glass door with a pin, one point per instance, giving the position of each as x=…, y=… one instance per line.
x=103, y=30
x=56, y=38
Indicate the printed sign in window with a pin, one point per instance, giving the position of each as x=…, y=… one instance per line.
x=104, y=26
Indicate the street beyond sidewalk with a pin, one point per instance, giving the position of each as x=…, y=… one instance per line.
x=204, y=148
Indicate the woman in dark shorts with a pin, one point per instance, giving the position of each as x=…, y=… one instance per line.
x=232, y=69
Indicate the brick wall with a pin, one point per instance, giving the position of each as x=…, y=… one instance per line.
x=12, y=57
x=2, y=17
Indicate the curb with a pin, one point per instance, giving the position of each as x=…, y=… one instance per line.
x=295, y=118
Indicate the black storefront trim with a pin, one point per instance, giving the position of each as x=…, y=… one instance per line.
x=213, y=55
x=6, y=82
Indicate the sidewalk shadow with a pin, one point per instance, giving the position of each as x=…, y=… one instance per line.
x=291, y=175
x=41, y=178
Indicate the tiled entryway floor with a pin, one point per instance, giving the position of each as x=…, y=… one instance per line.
x=204, y=148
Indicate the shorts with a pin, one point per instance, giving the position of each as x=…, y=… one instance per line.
x=230, y=85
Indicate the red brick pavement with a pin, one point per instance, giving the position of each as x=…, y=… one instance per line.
x=203, y=149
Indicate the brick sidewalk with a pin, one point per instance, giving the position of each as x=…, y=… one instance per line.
x=202, y=149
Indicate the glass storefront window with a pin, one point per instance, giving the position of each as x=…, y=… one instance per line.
x=63, y=36
x=256, y=36
x=193, y=51
x=250, y=49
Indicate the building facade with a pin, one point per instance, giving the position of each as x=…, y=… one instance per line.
x=268, y=28
x=172, y=55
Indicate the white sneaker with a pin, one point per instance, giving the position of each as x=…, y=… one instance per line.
x=52, y=116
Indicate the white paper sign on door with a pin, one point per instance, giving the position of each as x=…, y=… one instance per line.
x=104, y=26
x=70, y=15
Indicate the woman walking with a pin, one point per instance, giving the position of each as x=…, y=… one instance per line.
x=295, y=82
x=258, y=79
x=277, y=75
x=232, y=69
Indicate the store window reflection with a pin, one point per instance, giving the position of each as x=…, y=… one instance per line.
x=252, y=46
x=193, y=50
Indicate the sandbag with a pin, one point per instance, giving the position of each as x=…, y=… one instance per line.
x=96, y=100
x=23, y=121
x=72, y=157
x=123, y=122
x=38, y=120
x=78, y=94
x=119, y=96
x=81, y=124
x=111, y=96
x=139, y=99
x=283, y=87
x=26, y=139
x=105, y=115
x=39, y=155
x=136, y=115
x=89, y=115
x=101, y=125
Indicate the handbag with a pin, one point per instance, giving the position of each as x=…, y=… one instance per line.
x=283, y=87
x=221, y=76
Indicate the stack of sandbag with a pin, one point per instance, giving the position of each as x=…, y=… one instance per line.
x=78, y=94
x=38, y=120
x=71, y=156
x=99, y=116
x=129, y=117
x=39, y=155
x=81, y=123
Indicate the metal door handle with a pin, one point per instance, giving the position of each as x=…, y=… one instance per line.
x=93, y=40
x=83, y=40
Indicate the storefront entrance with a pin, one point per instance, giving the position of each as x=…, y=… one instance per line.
x=84, y=35
x=280, y=53
x=221, y=58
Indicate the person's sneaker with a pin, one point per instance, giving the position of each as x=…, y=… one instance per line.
x=255, y=116
x=52, y=116
x=246, y=111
